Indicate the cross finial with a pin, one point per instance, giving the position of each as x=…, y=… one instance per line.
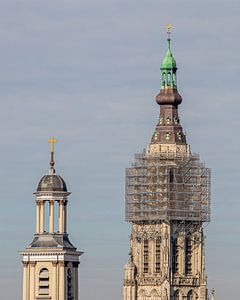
x=52, y=163
x=168, y=27
x=52, y=141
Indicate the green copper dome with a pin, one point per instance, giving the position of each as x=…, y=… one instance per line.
x=168, y=61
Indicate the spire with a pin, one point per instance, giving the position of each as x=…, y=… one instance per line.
x=52, y=162
x=169, y=66
x=169, y=130
x=168, y=93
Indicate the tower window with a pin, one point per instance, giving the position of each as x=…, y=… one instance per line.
x=169, y=78
x=176, y=120
x=158, y=250
x=145, y=256
x=43, y=284
x=69, y=285
x=179, y=135
x=175, y=257
x=176, y=295
x=190, y=295
x=168, y=136
x=168, y=120
x=163, y=79
x=188, y=256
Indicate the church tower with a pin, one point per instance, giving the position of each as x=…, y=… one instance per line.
x=167, y=201
x=50, y=262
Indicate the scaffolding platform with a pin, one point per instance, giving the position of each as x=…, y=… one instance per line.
x=167, y=186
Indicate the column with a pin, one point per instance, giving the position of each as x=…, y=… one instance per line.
x=61, y=217
x=65, y=217
x=51, y=217
x=42, y=217
x=54, y=281
x=61, y=280
x=37, y=217
x=25, y=281
x=32, y=281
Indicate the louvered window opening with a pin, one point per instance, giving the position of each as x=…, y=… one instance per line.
x=44, y=282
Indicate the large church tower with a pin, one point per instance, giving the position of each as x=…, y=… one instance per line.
x=167, y=194
x=50, y=262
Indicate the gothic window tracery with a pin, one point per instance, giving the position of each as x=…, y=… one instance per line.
x=158, y=251
x=145, y=256
x=188, y=255
x=142, y=295
x=154, y=295
x=175, y=254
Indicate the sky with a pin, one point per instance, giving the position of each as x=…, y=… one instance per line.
x=87, y=72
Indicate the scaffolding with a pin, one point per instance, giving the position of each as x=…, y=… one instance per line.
x=167, y=186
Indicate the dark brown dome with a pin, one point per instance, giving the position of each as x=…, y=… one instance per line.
x=52, y=183
x=169, y=96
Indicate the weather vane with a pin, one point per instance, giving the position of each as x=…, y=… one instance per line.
x=168, y=27
x=52, y=141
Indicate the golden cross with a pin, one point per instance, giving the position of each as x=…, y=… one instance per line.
x=52, y=141
x=168, y=27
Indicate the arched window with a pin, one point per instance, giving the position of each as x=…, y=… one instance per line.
x=169, y=79
x=163, y=78
x=190, y=295
x=69, y=285
x=43, y=283
x=154, y=295
x=142, y=295
x=174, y=78
x=176, y=295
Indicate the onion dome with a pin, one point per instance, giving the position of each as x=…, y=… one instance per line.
x=52, y=182
x=169, y=96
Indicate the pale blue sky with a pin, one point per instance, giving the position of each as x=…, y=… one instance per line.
x=88, y=72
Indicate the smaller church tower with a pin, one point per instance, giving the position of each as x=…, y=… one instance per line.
x=50, y=262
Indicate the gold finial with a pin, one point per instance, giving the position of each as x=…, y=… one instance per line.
x=168, y=27
x=52, y=141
